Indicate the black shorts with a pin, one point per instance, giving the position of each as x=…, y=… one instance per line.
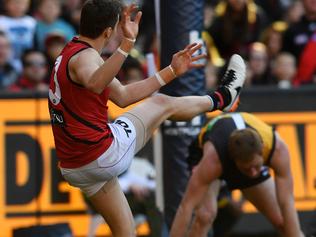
x=240, y=181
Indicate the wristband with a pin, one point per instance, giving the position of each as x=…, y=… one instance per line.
x=172, y=70
x=159, y=79
x=121, y=51
x=130, y=40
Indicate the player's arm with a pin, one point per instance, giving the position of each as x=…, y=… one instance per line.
x=280, y=163
x=88, y=68
x=207, y=171
x=181, y=62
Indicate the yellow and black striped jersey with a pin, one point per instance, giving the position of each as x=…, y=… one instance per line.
x=218, y=131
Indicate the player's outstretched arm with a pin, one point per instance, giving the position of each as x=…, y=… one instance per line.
x=207, y=171
x=90, y=70
x=280, y=163
x=194, y=194
x=182, y=61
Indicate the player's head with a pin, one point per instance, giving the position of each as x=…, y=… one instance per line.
x=99, y=17
x=245, y=148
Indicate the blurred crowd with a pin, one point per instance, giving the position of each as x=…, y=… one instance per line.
x=276, y=37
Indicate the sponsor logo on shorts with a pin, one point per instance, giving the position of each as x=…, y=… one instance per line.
x=125, y=127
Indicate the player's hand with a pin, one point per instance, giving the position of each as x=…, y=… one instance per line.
x=184, y=60
x=130, y=27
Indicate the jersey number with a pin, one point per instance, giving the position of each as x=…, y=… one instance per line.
x=55, y=97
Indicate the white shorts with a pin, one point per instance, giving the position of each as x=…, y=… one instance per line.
x=114, y=161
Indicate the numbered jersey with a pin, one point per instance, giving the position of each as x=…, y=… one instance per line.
x=78, y=116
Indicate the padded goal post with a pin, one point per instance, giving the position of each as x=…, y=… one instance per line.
x=181, y=23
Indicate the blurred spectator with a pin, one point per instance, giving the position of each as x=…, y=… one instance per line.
x=272, y=38
x=212, y=2
x=283, y=70
x=49, y=21
x=297, y=35
x=212, y=51
x=2, y=11
x=209, y=15
x=294, y=12
x=71, y=12
x=274, y=9
x=237, y=24
x=258, y=70
x=287, y=3
x=306, y=71
x=34, y=72
x=147, y=29
x=54, y=44
x=210, y=76
x=18, y=26
x=132, y=71
x=8, y=73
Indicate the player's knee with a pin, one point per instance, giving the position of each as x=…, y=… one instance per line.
x=160, y=98
x=205, y=216
x=278, y=223
x=163, y=100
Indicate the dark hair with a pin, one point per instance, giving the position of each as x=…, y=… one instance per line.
x=3, y=34
x=97, y=15
x=131, y=63
x=28, y=52
x=244, y=143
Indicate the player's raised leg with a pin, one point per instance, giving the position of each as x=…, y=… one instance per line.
x=153, y=111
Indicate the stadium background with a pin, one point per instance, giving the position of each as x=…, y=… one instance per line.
x=32, y=191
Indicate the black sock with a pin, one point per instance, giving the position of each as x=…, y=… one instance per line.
x=221, y=98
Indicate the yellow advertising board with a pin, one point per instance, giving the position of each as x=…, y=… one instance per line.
x=33, y=192
x=31, y=188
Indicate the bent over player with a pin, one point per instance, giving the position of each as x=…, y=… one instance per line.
x=238, y=148
x=92, y=152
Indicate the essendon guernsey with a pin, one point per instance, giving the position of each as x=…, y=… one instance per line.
x=78, y=116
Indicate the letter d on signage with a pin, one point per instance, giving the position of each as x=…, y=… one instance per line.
x=17, y=193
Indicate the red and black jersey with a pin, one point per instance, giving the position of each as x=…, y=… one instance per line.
x=78, y=116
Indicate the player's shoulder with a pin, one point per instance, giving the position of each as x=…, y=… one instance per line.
x=280, y=144
x=209, y=150
x=88, y=53
x=87, y=56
